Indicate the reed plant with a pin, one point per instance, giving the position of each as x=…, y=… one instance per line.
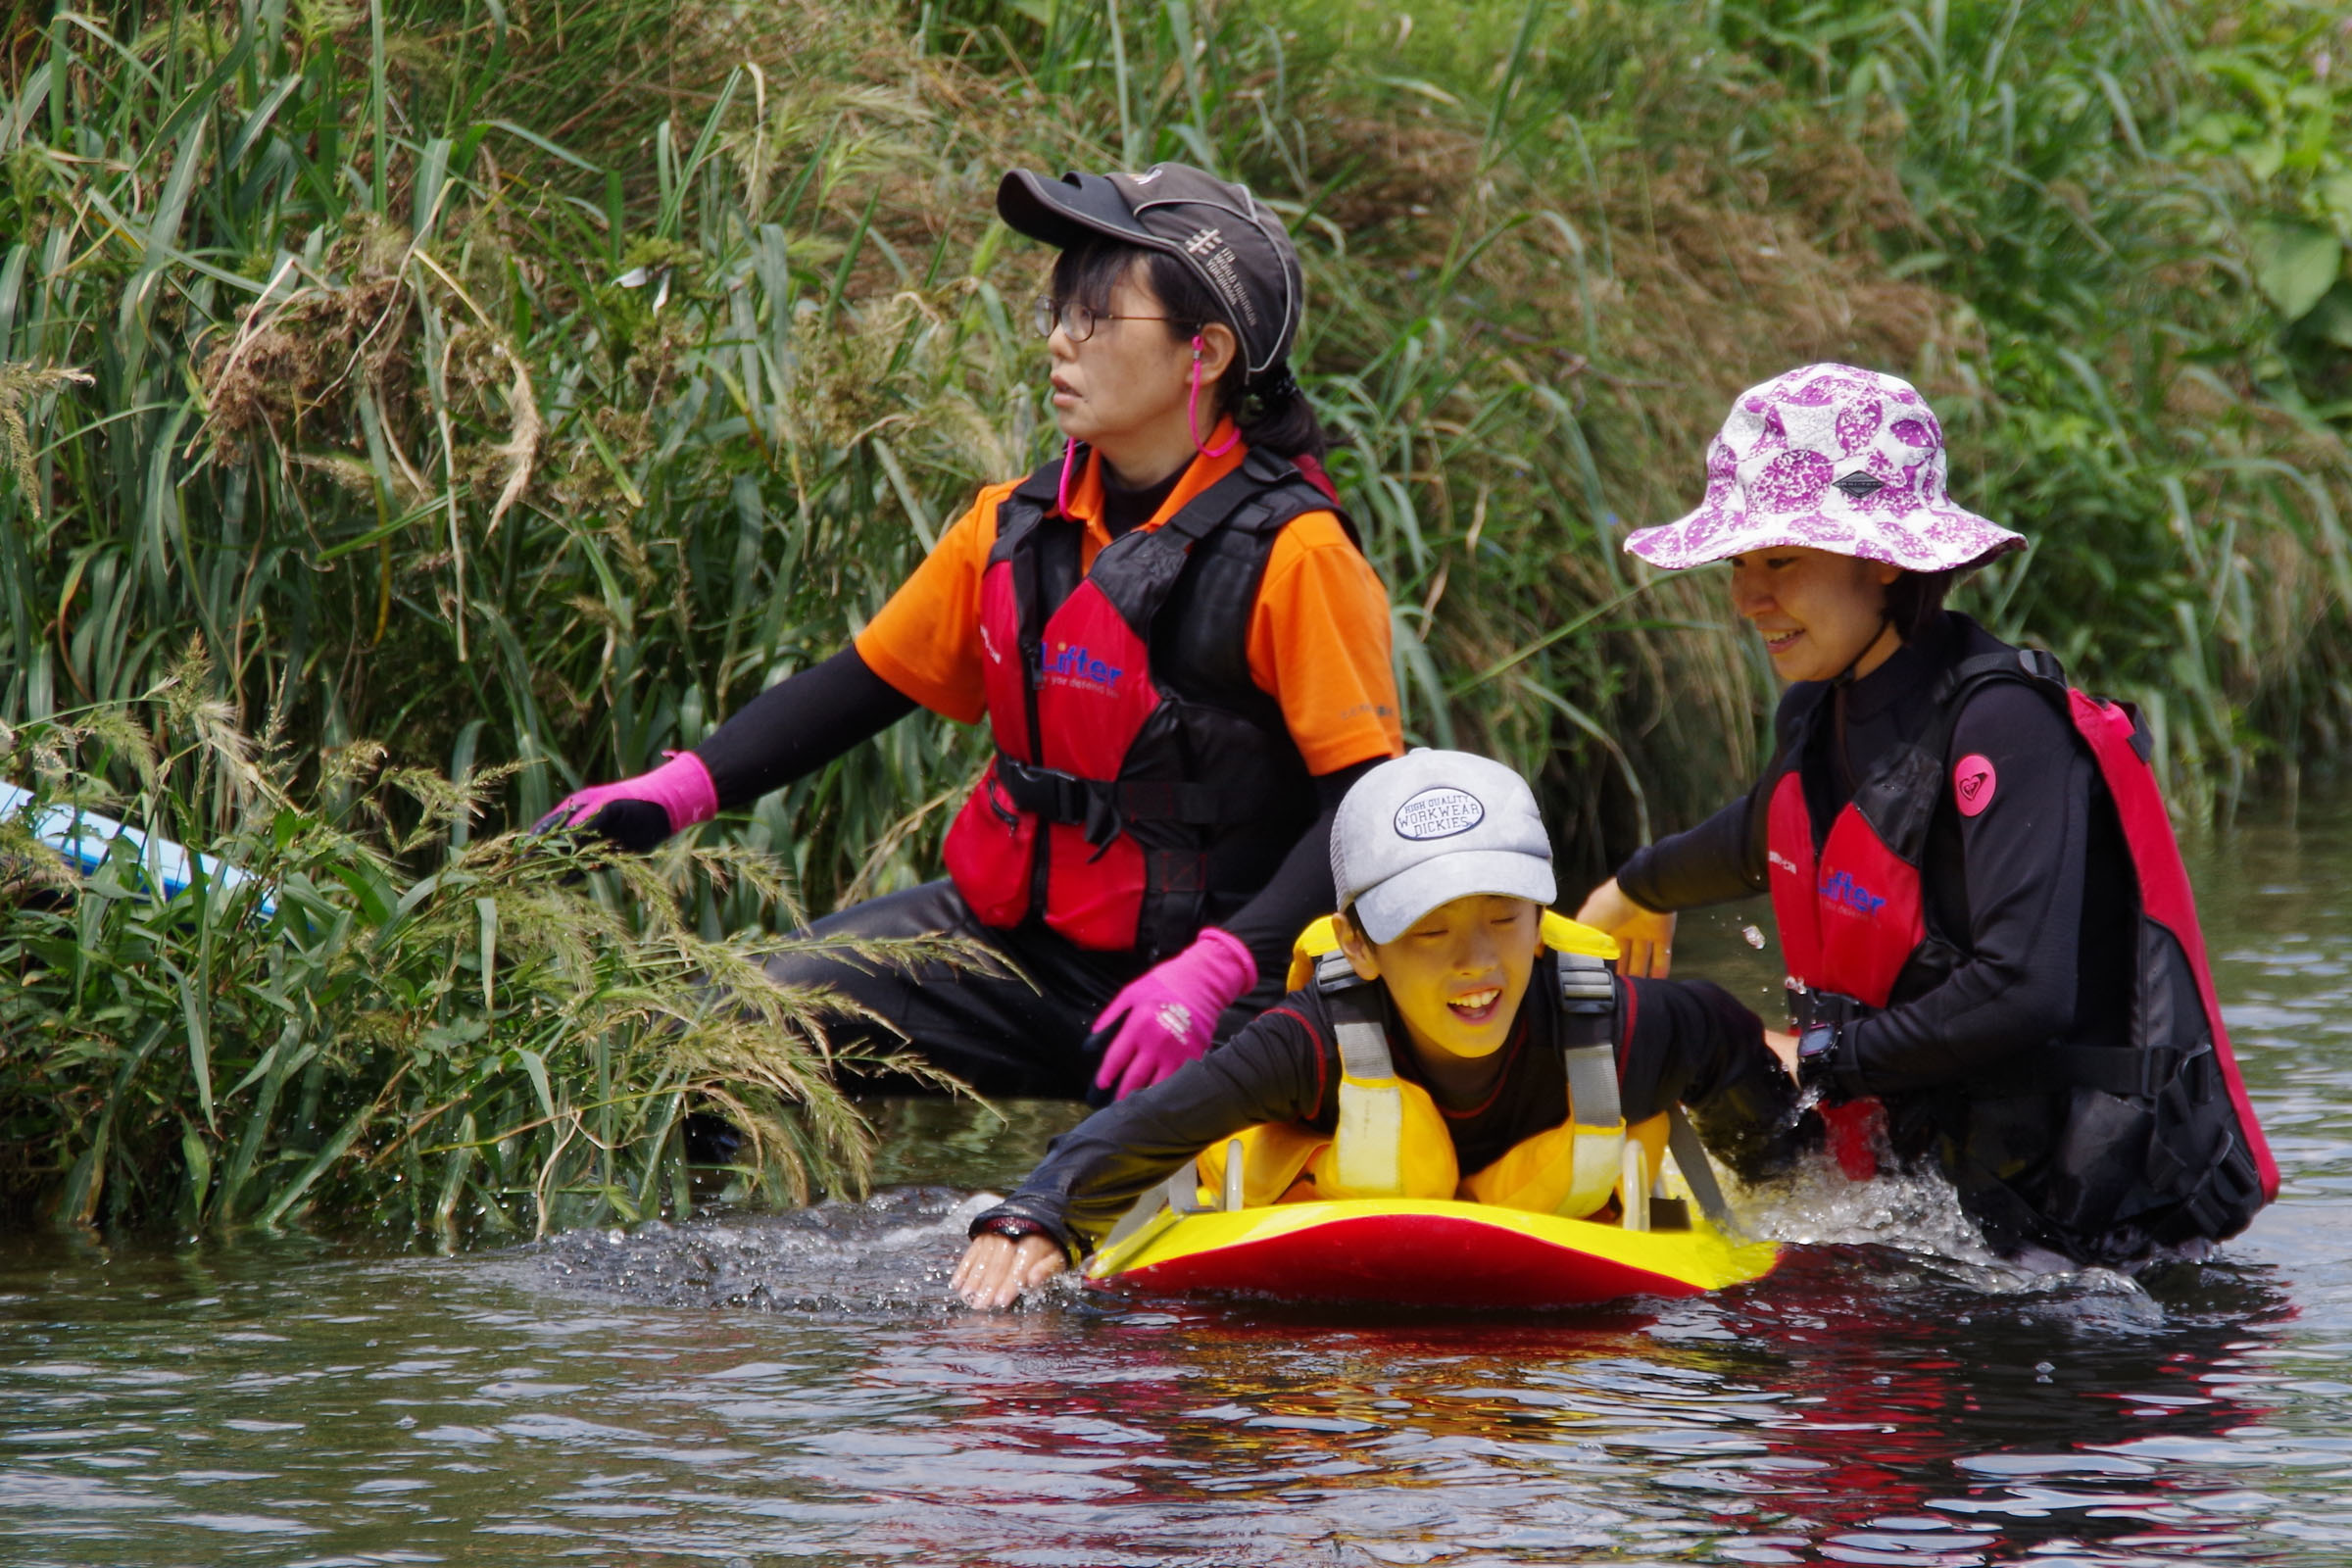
x=535, y=387
x=513, y=1040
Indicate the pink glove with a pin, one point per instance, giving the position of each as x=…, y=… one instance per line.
x=1171, y=1009
x=681, y=787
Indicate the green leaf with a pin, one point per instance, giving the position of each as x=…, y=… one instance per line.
x=197, y=1157
x=537, y=1069
x=318, y=1167
x=2295, y=264
x=2330, y=321
x=368, y=885
x=200, y=1044
x=2336, y=192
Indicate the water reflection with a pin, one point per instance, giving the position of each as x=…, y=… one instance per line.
x=1855, y=1407
x=796, y=1389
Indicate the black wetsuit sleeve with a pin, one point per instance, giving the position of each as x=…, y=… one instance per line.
x=1720, y=858
x=1692, y=1042
x=1300, y=890
x=1274, y=1070
x=1723, y=858
x=2025, y=856
x=798, y=725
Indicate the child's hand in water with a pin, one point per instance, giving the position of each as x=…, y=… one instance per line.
x=997, y=1269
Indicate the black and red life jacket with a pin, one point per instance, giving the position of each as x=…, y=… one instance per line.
x=1144, y=785
x=2159, y=1142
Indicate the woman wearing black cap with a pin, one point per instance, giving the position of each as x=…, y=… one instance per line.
x=1179, y=648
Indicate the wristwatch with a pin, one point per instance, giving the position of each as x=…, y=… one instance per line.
x=1816, y=1056
x=1012, y=1227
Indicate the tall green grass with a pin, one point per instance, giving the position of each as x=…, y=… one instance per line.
x=511, y=1040
x=536, y=388
x=521, y=389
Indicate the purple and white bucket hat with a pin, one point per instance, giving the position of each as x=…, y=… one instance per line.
x=1834, y=457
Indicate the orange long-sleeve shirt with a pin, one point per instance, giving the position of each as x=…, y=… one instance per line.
x=1318, y=634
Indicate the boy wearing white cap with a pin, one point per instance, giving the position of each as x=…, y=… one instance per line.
x=1443, y=870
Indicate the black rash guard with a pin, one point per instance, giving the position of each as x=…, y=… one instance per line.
x=2035, y=890
x=1684, y=1041
x=805, y=720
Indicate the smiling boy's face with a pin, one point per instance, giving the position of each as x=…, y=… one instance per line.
x=1458, y=975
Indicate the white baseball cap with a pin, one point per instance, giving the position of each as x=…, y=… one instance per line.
x=1431, y=827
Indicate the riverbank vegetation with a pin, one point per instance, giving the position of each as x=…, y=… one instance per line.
x=388, y=1020
x=520, y=387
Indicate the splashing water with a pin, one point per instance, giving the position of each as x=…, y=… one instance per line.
x=892, y=1253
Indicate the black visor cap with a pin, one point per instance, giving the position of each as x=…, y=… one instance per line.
x=1070, y=211
x=1224, y=236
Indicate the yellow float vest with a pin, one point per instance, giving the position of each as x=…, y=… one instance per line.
x=1392, y=1141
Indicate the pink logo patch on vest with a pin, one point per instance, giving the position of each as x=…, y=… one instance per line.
x=1973, y=783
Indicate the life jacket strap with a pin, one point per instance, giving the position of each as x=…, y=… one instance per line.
x=1104, y=805
x=2127, y=1072
x=1161, y=1206
x=2123, y=1071
x=1691, y=1158
x=1368, y=1148
x=1589, y=1054
x=2220, y=1200
x=2033, y=666
x=2033, y=663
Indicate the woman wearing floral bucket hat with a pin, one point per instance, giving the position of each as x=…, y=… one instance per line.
x=1986, y=928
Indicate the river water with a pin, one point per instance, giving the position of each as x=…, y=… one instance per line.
x=794, y=1390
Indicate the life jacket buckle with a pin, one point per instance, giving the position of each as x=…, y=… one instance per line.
x=1104, y=821
x=1333, y=972
x=1586, y=986
x=1065, y=798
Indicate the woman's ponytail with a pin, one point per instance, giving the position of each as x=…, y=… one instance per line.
x=1273, y=413
x=1268, y=407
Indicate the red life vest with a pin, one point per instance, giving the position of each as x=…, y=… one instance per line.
x=2160, y=1134
x=1143, y=786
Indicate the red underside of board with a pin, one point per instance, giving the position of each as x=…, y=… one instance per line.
x=1407, y=1259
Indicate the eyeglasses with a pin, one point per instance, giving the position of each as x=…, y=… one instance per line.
x=1075, y=318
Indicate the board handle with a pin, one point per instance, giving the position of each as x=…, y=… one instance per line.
x=1632, y=1188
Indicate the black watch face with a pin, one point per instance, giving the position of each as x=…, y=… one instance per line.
x=1817, y=1042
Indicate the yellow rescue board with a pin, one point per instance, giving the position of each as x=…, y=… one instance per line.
x=1422, y=1253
